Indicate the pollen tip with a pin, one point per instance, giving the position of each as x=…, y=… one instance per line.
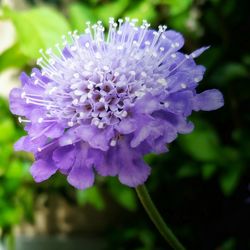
x=113, y=143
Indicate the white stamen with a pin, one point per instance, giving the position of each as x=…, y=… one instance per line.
x=183, y=85
x=90, y=86
x=40, y=120
x=89, y=95
x=95, y=121
x=100, y=125
x=52, y=90
x=75, y=102
x=78, y=92
x=76, y=75
x=197, y=79
x=70, y=124
x=124, y=113
x=162, y=81
x=166, y=104
x=113, y=143
x=106, y=68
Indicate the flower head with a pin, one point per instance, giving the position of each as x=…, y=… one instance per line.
x=102, y=103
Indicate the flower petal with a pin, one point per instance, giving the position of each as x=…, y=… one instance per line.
x=64, y=157
x=126, y=126
x=81, y=177
x=97, y=138
x=199, y=51
x=18, y=106
x=208, y=100
x=25, y=143
x=106, y=163
x=41, y=170
x=172, y=37
x=55, y=130
x=133, y=171
x=134, y=174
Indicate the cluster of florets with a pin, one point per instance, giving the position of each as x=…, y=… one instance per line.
x=102, y=103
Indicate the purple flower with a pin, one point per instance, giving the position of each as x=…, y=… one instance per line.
x=100, y=104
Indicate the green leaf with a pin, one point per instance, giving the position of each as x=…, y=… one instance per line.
x=15, y=169
x=230, y=156
x=124, y=195
x=187, y=171
x=208, y=170
x=229, y=72
x=26, y=197
x=7, y=130
x=5, y=154
x=178, y=6
x=112, y=9
x=202, y=144
x=12, y=57
x=10, y=215
x=79, y=14
x=211, y=58
x=149, y=158
x=230, y=178
x=147, y=238
x=229, y=7
x=229, y=244
x=143, y=10
x=37, y=28
x=92, y=196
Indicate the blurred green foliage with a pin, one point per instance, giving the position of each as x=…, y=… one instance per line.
x=15, y=198
x=207, y=169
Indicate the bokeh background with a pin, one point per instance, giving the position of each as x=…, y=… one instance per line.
x=201, y=186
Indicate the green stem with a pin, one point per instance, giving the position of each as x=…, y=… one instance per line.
x=157, y=219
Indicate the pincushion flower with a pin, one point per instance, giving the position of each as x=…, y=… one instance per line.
x=100, y=103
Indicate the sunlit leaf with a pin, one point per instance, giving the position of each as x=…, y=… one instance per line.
x=142, y=10
x=10, y=214
x=12, y=57
x=178, y=6
x=7, y=130
x=111, y=9
x=15, y=169
x=5, y=153
x=37, y=28
x=79, y=14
